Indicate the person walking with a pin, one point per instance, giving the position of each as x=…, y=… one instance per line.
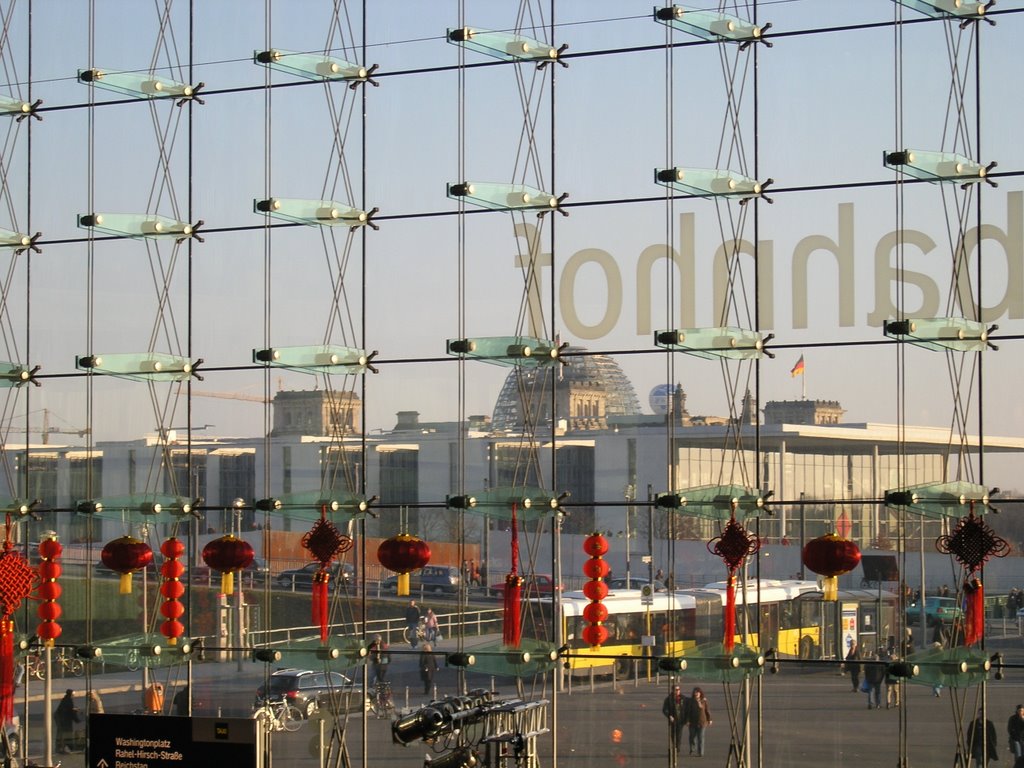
x=698, y=717
x=1015, y=732
x=412, y=622
x=428, y=666
x=981, y=739
x=674, y=709
x=430, y=626
x=874, y=674
x=853, y=666
x=65, y=717
x=380, y=658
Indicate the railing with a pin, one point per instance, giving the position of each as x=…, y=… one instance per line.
x=477, y=622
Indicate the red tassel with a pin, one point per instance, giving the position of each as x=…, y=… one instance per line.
x=730, y=613
x=974, y=620
x=320, y=602
x=512, y=631
x=6, y=670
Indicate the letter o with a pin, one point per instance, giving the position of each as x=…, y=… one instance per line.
x=567, y=287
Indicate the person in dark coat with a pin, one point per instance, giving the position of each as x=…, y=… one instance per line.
x=853, y=666
x=874, y=674
x=698, y=717
x=1015, y=732
x=65, y=717
x=982, y=749
x=380, y=658
x=428, y=666
x=412, y=620
x=674, y=709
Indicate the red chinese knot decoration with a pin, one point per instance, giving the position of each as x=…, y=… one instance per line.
x=171, y=590
x=733, y=545
x=227, y=555
x=972, y=543
x=324, y=542
x=512, y=627
x=125, y=556
x=403, y=554
x=595, y=569
x=17, y=579
x=831, y=556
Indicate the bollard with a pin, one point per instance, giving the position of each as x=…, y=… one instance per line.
x=591, y=679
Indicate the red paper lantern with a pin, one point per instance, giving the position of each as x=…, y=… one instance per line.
x=171, y=590
x=403, y=554
x=595, y=590
x=596, y=545
x=227, y=555
x=595, y=635
x=125, y=556
x=595, y=613
x=831, y=556
x=596, y=568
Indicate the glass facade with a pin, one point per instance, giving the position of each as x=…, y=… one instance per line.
x=737, y=290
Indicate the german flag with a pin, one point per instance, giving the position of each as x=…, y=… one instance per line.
x=798, y=369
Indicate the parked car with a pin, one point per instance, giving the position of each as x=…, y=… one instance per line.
x=306, y=689
x=635, y=582
x=341, y=573
x=257, y=573
x=936, y=610
x=534, y=585
x=430, y=578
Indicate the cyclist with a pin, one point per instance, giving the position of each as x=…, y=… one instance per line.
x=412, y=620
x=380, y=657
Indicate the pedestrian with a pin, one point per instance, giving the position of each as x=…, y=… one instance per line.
x=659, y=577
x=180, y=702
x=153, y=699
x=674, y=709
x=892, y=684
x=874, y=674
x=95, y=703
x=698, y=717
x=428, y=666
x=412, y=622
x=65, y=717
x=853, y=666
x=1015, y=732
x=380, y=658
x=981, y=738
x=474, y=573
x=430, y=626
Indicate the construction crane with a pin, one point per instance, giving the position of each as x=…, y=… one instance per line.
x=46, y=430
x=196, y=392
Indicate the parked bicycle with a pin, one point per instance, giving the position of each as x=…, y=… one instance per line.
x=278, y=715
x=381, y=703
x=63, y=664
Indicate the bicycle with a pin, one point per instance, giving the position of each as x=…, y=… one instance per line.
x=278, y=716
x=381, y=703
x=419, y=632
x=35, y=665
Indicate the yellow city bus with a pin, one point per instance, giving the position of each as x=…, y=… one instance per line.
x=685, y=618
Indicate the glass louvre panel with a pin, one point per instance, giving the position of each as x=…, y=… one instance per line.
x=497, y=503
x=142, y=85
x=138, y=366
x=147, y=225
x=311, y=66
x=936, y=166
x=709, y=182
x=938, y=9
x=712, y=343
x=941, y=333
x=520, y=351
x=938, y=500
x=324, y=212
x=314, y=359
x=307, y=505
x=13, y=374
x=503, y=197
x=9, y=239
x=144, y=507
x=11, y=106
x=502, y=45
x=708, y=25
x=341, y=653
